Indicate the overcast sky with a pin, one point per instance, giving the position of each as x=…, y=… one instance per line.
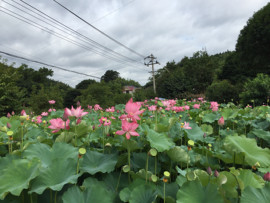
x=169, y=29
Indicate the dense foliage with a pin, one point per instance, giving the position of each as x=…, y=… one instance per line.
x=152, y=151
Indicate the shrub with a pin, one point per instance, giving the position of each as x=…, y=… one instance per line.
x=222, y=92
x=256, y=91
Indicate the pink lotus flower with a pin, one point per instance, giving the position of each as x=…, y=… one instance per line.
x=128, y=128
x=200, y=99
x=110, y=109
x=104, y=121
x=97, y=107
x=52, y=102
x=214, y=106
x=23, y=113
x=50, y=110
x=78, y=112
x=186, y=107
x=221, y=121
x=152, y=108
x=89, y=107
x=58, y=124
x=38, y=120
x=133, y=110
x=44, y=114
x=186, y=126
x=196, y=106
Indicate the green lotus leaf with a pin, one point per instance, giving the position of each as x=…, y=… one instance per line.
x=59, y=173
x=65, y=137
x=34, y=132
x=251, y=179
x=170, y=190
x=249, y=147
x=94, y=162
x=194, y=192
x=210, y=118
x=126, y=192
x=130, y=144
x=96, y=193
x=251, y=194
x=180, y=180
x=177, y=154
x=230, y=185
x=202, y=176
x=208, y=129
x=159, y=141
x=16, y=174
x=265, y=135
x=229, y=113
x=47, y=154
x=195, y=133
x=143, y=193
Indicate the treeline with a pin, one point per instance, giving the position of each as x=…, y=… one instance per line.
x=241, y=76
x=26, y=88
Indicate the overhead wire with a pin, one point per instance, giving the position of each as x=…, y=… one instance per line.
x=62, y=36
x=32, y=23
x=53, y=20
x=46, y=64
x=103, y=33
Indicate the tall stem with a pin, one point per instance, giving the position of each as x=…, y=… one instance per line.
x=146, y=167
x=22, y=138
x=164, y=192
x=129, y=164
x=118, y=181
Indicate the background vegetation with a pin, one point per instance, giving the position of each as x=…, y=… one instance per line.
x=241, y=76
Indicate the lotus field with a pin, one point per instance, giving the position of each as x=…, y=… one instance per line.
x=152, y=151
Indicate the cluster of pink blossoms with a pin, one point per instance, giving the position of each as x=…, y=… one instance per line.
x=58, y=123
x=129, y=121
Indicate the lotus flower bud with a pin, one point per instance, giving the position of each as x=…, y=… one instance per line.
x=216, y=173
x=12, y=113
x=209, y=170
x=8, y=115
x=266, y=176
x=221, y=121
x=8, y=125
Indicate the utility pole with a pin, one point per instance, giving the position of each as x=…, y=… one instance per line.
x=152, y=62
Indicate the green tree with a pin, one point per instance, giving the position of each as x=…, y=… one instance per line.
x=11, y=96
x=110, y=75
x=253, y=43
x=84, y=84
x=252, y=49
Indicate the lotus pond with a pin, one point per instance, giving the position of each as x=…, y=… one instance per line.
x=152, y=151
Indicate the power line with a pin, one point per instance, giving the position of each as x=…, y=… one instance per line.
x=42, y=63
x=93, y=43
x=112, y=11
x=117, y=42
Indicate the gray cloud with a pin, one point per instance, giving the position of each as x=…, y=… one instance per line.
x=168, y=29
